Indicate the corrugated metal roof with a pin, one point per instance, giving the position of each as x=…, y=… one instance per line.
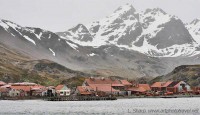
x=24, y=88
x=84, y=90
x=145, y=86
x=158, y=84
x=125, y=82
x=102, y=81
x=137, y=89
x=103, y=87
x=62, y=87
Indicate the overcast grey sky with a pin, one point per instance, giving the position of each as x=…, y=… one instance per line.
x=60, y=15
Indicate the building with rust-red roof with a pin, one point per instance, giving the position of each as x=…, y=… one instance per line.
x=84, y=91
x=159, y=86
x=108, y=85
x=26, y=89
x=20, y=90
x=171, y=86
x=116, y=84
x=139, y=88
x=38, y=90
x=108, y=89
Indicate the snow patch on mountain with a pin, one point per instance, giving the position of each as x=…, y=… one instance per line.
x=172, y=51
x=4, y=25
x=28, y=33
x=92, y=54
x=151, y=19
x=39, y=36
x=29, y=39
x=14, y=26
x=74, y=46
x=110, y=29
x=7, y=24
x=54, y=54
x=194, y=29
x=48, y=37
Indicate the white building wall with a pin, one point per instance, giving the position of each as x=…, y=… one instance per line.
x=64, y=92
x=14, y=93
x=186, y=85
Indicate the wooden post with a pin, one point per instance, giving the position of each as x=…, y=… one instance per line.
x=111, y=92
x=96, y=91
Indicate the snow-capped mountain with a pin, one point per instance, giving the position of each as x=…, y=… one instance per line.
x=194, y=29
x=152, y=32
x=38, y=43
x=32, y=37
x=106, y=60
x=79, y=33
x=126, y=43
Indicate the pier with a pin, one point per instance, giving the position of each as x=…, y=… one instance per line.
x=79, y=98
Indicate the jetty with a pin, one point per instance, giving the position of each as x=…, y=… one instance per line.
x=79, y=98
x=161, y=96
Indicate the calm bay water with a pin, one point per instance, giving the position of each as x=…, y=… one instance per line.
x=118, y=107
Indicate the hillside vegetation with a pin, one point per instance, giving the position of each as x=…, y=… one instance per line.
x=187, y=73
x=15, y=67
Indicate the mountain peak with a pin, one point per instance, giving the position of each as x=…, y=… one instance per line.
x=79, y=32
x=125, y=8
x=155, y=10
x=8, y=21
x=79, y=28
